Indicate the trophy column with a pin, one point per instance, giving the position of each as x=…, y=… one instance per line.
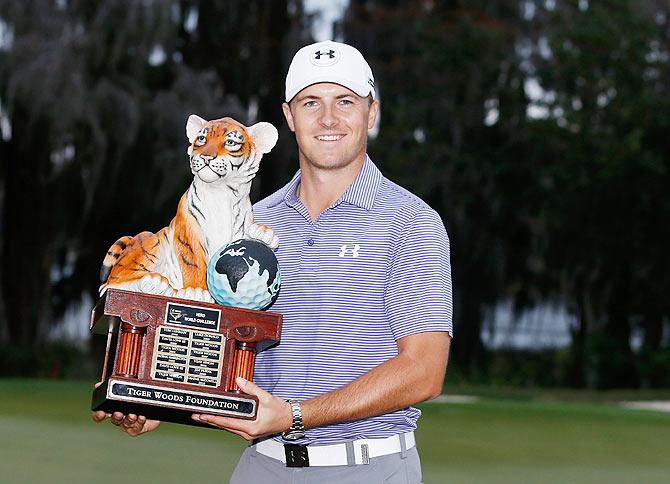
x=243, y=364
x=130, y=350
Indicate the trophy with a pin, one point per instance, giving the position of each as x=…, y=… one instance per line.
x=168, y=358
x=182, y=309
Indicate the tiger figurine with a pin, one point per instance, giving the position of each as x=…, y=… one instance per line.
x=215, y=210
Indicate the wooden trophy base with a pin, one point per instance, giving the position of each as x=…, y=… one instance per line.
x=165, y=403
x=169, y=358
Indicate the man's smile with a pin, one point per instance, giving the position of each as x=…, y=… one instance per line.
x=330, y=137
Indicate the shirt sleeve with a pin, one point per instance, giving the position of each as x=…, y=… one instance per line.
x=418, y=295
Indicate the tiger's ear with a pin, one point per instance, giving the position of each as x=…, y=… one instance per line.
x=193, y=125
x=265, y=136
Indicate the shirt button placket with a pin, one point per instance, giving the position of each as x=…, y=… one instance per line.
x=311, y=259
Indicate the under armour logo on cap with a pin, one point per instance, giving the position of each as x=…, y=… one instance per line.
x=325, y=57
x=330, y=53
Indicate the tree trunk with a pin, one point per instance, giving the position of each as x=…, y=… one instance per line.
x=26, y=256
x=468, y=351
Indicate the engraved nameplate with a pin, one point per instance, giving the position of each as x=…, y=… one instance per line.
x=197, y=402
x=188, y=356
x=192, y=316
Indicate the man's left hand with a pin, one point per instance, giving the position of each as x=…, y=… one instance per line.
x=274, y=415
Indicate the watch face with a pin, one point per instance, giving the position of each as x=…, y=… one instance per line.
x=293, y=435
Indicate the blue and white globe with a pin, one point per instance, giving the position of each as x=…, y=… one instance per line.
x=244, y=273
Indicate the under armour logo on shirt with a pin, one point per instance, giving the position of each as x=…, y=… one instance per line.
x=330, y=54
x=345, y=249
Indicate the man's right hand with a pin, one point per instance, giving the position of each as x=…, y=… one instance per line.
x=131, y=424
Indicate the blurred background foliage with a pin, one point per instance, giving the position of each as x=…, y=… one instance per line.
x=537, y=128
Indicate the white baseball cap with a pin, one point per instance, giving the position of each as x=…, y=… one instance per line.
x=329, y=61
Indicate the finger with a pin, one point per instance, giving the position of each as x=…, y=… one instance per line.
x=250, y=387
x=135, y=430
x=133, y=425
x=130, y=421
x=225, y=423
x=117, y=418
x=99, y=416
x=244, y=435
x=215, y=421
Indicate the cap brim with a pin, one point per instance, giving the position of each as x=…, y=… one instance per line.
x=362, y=90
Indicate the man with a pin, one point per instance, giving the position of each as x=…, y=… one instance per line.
x=366, y=298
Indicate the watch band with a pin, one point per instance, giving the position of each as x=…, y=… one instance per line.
x=297, y=429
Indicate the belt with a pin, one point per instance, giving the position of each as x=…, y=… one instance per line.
x=346, y=453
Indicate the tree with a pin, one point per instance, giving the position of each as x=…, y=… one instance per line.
x=536, y=130
x=606, y=175
x=440, y=68
x=97, y=95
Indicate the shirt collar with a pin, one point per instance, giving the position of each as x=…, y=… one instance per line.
x=361, y=192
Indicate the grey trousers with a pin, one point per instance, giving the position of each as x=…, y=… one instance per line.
x=256, y=468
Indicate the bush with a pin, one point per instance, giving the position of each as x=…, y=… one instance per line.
x=55, y=361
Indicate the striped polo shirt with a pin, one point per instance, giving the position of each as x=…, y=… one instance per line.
x=373, y=267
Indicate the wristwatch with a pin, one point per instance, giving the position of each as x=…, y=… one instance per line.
x=297, y=430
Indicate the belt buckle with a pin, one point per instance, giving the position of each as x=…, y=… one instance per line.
x=296, y=455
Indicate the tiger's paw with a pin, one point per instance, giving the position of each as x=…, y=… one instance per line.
x=194, y=294
x=264, y=234
x=156, y=284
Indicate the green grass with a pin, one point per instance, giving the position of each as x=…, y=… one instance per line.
x=46, y=435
